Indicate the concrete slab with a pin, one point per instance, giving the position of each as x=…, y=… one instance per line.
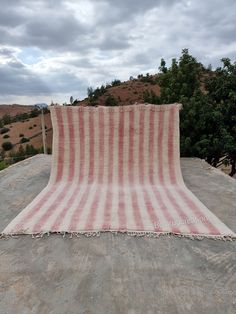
x=117, y=274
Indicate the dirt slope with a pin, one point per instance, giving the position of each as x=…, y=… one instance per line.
x=14, y=109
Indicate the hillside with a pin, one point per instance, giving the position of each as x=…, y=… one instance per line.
x=126, y=93
x=14, y=109
x=30, y=129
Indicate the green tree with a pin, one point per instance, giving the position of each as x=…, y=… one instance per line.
x=221, y=90
x=208, y=117
x=111, y=101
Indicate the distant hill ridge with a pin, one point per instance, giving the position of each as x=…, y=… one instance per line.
x=14, y=109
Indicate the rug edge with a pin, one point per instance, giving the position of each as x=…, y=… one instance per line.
x=139, y=234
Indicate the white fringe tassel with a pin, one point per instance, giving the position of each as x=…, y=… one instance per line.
x=148, y=234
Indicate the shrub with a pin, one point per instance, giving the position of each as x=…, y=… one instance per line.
x=35, y=125
x=30, y=128
x=4, y=130
x=6, y=136
x=111, y=101
x=24, y=140
x=7, y=146
x=21, y=135
x=116, y=83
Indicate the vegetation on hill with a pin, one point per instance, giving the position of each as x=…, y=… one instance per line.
x=8, y=119
x=208, y=117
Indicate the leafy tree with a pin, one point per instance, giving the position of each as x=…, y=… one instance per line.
x=150, y=97
x=7, y=146
x=221, y=89
x=182, y=79
x=208, y=117
x=111, y=101
x=115, y=83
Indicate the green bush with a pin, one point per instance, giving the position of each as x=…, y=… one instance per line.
x=4, y=130
x=7, y=146
x=111, y=101
x=21, y=135
x=3, y=165
x=24, y=140
x=6, y=136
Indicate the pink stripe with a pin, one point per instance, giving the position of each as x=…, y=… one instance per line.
x=81, y=179
x=108, y=202
x=166, y=213
x=171, y=146
x=192, y=228
x=40, y=223
x=25, y=219
x=72, y=144
x=91, y=147
x=151, y=211
x=59, y=219
x=212, y=229
x=121, y=204
x=93, y=210
x=188, y=201
x=148, y=204
x=136, y=210
x=160, y=145
x=170, y=159
x=151, y=147
x=141, y=140
x=78, y=211
x=61, y=146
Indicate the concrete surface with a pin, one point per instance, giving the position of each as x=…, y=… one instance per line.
x=117, y=274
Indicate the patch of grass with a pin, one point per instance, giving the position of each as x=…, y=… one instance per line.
x=3, y=165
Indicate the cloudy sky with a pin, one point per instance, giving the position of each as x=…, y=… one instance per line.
x=52, y=49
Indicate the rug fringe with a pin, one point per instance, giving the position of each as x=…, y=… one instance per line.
x=149, y=234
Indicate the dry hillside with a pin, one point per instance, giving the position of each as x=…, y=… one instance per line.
x=14, y=109
x=126, y=93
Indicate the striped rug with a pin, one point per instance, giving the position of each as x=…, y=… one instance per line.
x=117, y=169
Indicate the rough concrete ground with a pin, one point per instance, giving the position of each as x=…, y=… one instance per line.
x=117, y=274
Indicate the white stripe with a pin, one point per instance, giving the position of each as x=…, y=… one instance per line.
x=127, y=194
x=114, y=210
x=165, y=164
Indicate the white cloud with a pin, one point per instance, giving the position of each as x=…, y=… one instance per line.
x=53, y=49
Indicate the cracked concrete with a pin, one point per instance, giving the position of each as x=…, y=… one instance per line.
x=117, y=274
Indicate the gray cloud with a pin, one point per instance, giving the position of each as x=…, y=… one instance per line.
x=90, y=42
x=17, y=80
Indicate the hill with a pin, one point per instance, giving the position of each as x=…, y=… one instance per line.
x=14, y=109
x=122, y=93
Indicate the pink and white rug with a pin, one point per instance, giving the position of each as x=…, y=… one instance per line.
x=117, y=169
